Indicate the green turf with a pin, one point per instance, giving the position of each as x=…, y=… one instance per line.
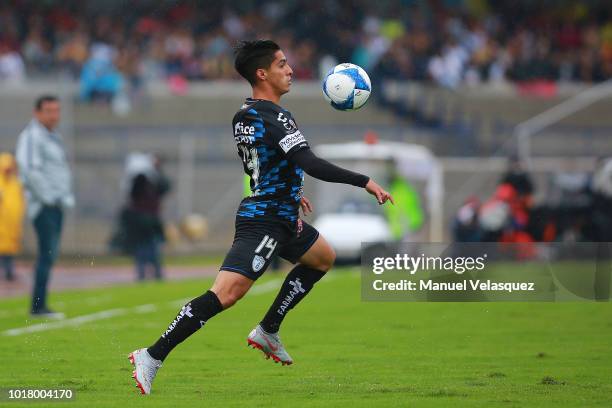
x=74, y=260
x=347, y=352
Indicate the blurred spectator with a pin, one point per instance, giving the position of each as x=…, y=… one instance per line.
x=12, y=68
x=37, y=51
x=517, y=177
x=504, y=217
x=47, y=180
x=73, y=53
x=12, y=210
x=140, y=231
x=601, y=206
x=100, y=79
x=447, y=69
x=465, y=225
x=407, y=217
x=144, y=228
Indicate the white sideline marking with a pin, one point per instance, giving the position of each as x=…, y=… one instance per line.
x=179, y=302
x=266, y=287
x=90, y=301
x=145, y=308
x=106, y=314
x=75, y=321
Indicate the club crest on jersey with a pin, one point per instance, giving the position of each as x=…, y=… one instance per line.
x=288, y=123
x=258, y=263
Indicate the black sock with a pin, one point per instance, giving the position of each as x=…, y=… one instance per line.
x=296, y=286
x=189, y=320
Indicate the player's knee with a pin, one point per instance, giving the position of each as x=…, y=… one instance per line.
x=326, y=261
x=228, y=301
x=331, y=258
x=228, y=296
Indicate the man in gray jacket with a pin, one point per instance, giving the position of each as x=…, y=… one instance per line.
x=48, y=186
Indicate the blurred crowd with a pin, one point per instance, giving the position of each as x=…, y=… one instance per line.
x=111, y=44
x=576, y=208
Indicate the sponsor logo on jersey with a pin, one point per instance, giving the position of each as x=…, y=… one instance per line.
x=242, y=129
x=244, y=133
x=290, y=141
x=258, y=263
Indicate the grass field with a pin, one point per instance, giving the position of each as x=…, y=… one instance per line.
x=347, y=352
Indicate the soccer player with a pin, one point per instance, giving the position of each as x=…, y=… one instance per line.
x=275, y=156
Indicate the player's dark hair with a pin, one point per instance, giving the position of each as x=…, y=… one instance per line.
x=253, y=55
x=41, y=100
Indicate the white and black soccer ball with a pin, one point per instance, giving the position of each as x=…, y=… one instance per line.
x=347, y=87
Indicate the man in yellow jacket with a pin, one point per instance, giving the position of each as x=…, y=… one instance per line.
x=12, y=209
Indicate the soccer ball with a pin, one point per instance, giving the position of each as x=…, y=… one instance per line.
x=347, y=87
